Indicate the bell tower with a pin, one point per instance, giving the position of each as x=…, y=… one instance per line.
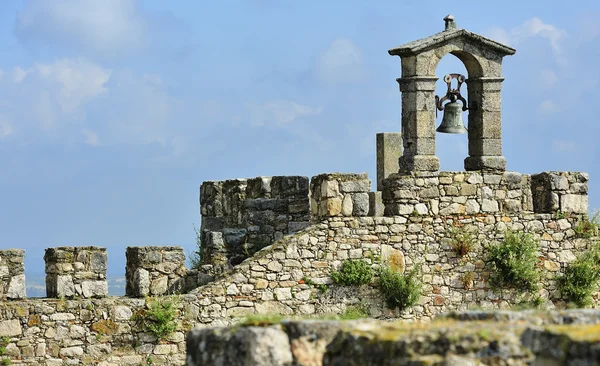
x=482, y=58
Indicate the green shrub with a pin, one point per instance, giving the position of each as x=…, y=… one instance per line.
x=587, y=228
x=462, y=241
x=514, y=262
x=159, y=319
x=353, y=272
x=399, y=290
x=581, y=278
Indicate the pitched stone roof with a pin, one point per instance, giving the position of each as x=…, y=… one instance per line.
x=438, y=39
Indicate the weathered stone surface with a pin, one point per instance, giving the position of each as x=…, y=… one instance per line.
x=250, y=346
x=10, y=328
x=574, y=203
x=389, y=150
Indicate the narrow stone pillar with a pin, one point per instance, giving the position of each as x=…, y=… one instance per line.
x=154, y=270
x=76, y=271
x=339, y=194
x=12, y=274
x=485, y=125
x=389, y=150
x=418, y=124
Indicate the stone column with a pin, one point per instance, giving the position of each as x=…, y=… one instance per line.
x=339, y=194
x=154, y=271
x=418, y=124
x=76, y=271
x=389, y=150
x=485, y=125
x=12, y=274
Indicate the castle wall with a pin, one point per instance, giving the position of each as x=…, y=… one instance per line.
x=293, y=277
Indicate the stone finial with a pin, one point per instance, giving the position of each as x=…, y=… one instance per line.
x=450, y=25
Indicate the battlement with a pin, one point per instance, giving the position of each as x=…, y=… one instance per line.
x=241, y=216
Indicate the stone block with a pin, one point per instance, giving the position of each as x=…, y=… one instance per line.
x=485, y=163
x=419, y=163
x=389, y=150
x=574, y=203
x=360, y=204
x=376, y=207
x=485, y=147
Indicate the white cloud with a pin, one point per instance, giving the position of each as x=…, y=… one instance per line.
x=48, y=94
x=533, y=28
x=90, y=137
x=341, y=62
x=76, y=100
x=97, y=26
x=281, y=112
x=547, y=106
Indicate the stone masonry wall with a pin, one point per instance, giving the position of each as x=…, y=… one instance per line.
x=339, y=194
x=293, y=277
x=154, y=270
x=12, y=274
x=447, y=193
x=76, y=271
x=240, y=216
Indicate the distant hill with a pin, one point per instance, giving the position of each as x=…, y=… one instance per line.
x=36, y=285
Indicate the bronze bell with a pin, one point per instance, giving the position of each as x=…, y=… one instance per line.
x=452, y=121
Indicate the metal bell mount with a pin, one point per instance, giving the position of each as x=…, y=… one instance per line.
x=452, y=121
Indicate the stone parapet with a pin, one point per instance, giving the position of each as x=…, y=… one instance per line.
x=12, y=274
x=339, y=194
x=560, y=191
x=241, y=216
x=155, y=270
x=76, y=271
x=457, y=193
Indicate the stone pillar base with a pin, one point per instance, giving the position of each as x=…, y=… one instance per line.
x=412, y=163
x=495, y=163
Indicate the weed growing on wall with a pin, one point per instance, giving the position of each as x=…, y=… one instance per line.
x=462, y=241
x=195, y=258
x=159, y=319
x=467, y=279
x=586, y=228
x=399, y=290
x=353, y=272
x=514, y=262
x=581, y=278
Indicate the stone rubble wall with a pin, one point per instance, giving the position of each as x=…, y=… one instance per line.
x=559, y=191
x=76, y=271
x=241, y=216
x=154, y=270
x=460, y=193
x=292, y=277
x=339, y=194
x=12, y=274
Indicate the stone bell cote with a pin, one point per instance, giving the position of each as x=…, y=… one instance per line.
x=482, y=58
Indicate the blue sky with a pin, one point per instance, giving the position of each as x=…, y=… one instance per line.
x=113, y=112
